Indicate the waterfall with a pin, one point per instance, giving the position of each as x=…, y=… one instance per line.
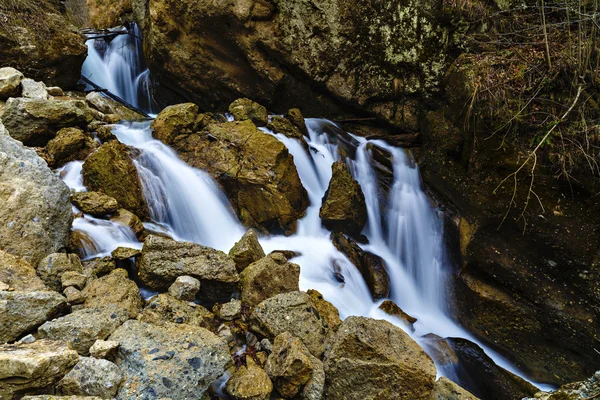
x=403, y=226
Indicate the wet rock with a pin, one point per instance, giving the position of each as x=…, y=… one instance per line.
x=326, y=310
x=445, y=389
x=95, y=203
x=111, y=170
x=246, y=109
x=176, y=361
x=80, y=243
x=10, y=82
x=82, y=328
x=25, y=367
x=35, y=213
x=106, y=349
x=33, y=90
x=18, y=274
x=114, y=289
x=91, y=377
x=391, y=308
x=371, y=266
x=99, y=102
x=163, y=260
x=70, y=144
x=185, y=288
x=127, y=218
x=98, y=267
x=294, y=370
x=249, y=382
x=35, y=122
x=266, y=278
x=247, y=250
x=255, y=170
x=21, y=312
x=372, y=358
x=125, y=253
x=74, y=279
x=163, y=309
x=285, y=127
x=344, y=208
x=229, y=311
x=295, y=116
x=291, y=312
x=104, y=132
x=53, y=266
x=178, y=119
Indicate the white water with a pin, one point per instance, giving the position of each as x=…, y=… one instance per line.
x=406, y=232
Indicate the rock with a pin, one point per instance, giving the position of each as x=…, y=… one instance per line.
x=162, y=309
x=246, y=109
x=445, y=389
x=371, y=266
x=70, y=144
x=18, y=274
x=10, y=83
x=91, y=377
x=285, y=127
x=249, y=382
x=74, y=279
x=4, y=286
x=95, y=203
x=163, y=260
x=176, y=361
x=326, y=310
x=391, y=308
x=83, y=327
x=98, y=267
x=256, y=171
x=294, y=369
x=125, y=253
x=55, y=91
x=178, y=119
x=114, y=289
x=266, y=278
x=295, y=116
x=52, y=267
x=35, y=213
x=247, y=250
x=25, y=367
x=229, y=311
x=49, y=397
x=99, y=102
x=291, y=312
x=73, y=295
x=185, y=288
x=104, y=349
x=81, y=243
x=111, y=170
x=33, y=90
x=127, y=218
x=344, y=208
x=27, y=339
x=36, y=121
x=21, y=312
x=587, y=389
x=370, y=358
x=104, y=132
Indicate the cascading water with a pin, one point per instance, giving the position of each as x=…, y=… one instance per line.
x=403, y=228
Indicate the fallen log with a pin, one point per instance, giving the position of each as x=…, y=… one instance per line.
x=115, y=97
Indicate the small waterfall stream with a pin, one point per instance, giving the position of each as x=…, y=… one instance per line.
x=403, y=228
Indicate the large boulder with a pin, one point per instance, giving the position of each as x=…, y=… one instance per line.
x=10, y=82
x=163, y=260
x=163, y=309
x=91, y=377
x=267, y=277
x=291, y=312
x=370, y=358
x=114, y=290
x=110, y=170
x=25, y=367
x=21, y=312
x=38, y=39
x=35, y=122
x=35, y=213
x=95, y=203
x=344, y=208
x=53, y=266
x=169, y=361
x=70, y=144
x=83, y=327
x=256, y=170
x=18, y=274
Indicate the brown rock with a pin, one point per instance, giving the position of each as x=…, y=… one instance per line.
x=249, y=382
x=52, y=267
x=391, y=308
x=326, y=310
x=163, y=309
x=114, y=289
x=94, y=203
x=246, y=251
x=127, y=218
x=70, y=144
x=18, y=274
x=246, y=109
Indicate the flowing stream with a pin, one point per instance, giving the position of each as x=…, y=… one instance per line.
x=404, y=228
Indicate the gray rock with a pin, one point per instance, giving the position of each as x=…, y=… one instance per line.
x=35, y=212
x=291, y=312
x=91, y=377
x=10, y=82
x=33, y=90
x=21, y=312
x=185, y=288
x=175, y=361
x=82, y=328
x=28, y=366
x=52, y=267
x=35, y=121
